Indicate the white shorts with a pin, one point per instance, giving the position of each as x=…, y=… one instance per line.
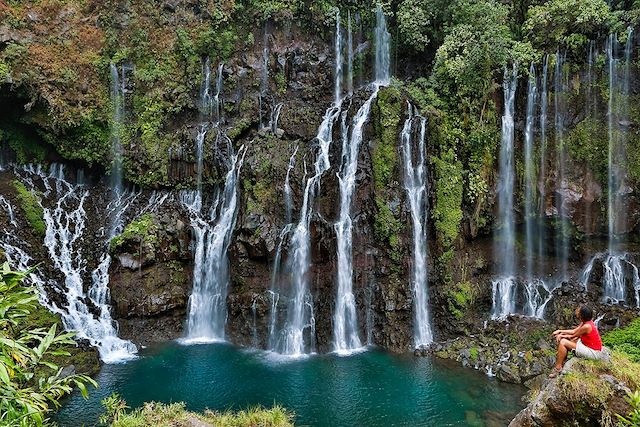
x=586, y=352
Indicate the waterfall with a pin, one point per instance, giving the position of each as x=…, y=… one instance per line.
x=217, y=99
x=415, y=184
x=118, y=85
x=66, y=227
x=207, y=308
x=562, y=235
x=288, y=200
x=338, y=59
x=383, y=41
x=529, y=215
x=345, y=324
x=345, y=321
x=542, y=174
x=504, y=245
x=297, y=335
x=349, y=56
x=619, y=270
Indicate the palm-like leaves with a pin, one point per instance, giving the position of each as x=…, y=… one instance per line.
x=30, y=383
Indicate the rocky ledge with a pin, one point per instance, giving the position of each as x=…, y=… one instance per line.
x=586, y=393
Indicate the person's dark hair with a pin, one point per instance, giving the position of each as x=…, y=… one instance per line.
x=586, y=313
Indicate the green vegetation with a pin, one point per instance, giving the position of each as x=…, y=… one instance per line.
x=175, y=414
x=141, y=230
x=30, y=207
x=384, y=157
x=633, y=418
x=31, y=384
x=625, y=340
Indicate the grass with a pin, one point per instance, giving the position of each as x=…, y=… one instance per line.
x=176, y=415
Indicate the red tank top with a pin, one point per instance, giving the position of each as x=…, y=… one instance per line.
x=592, y=339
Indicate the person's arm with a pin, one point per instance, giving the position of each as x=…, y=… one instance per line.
x=566, y=331
x=581, y=330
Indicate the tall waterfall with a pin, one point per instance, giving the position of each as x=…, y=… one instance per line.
x=338, y=59
x=66, y=227
x=562, y=235
x=345, y=321
x=383, y=42
x=504, y=286
x=118, y=84
x=207, y=308
x=529, y=173
x=297, y=335
x=415, y=184
x=212, y=227
x=349, y=56
x=542, y=172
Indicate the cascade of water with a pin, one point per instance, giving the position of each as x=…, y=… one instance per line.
x=338, y=59
x=345, y=323
x=349, y=56
x=529, y=214
x=415, y=184
x=207, y=309
x=275, y=115
x=297, y=335
x=537, y=295
x=65, y=228
x=288, y=200
x=383, y=41
x=562, y=235
x=217, y=99
x=9, y=209
x=118, y=84
x=544, y=105
x=504, y=246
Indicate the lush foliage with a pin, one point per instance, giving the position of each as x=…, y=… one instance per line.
x=625, y=340
x=30, y=384
x=159, y=414
x=633, y=418
x=567, y=22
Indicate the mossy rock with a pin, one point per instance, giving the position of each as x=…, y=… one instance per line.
x=30, y=207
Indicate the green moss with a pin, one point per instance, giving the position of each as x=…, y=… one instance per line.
x=387, y=228
x=588, y=142
x=142, y=229
x=31, y=208
x=447, y=212
x=461, y=297
x=385, y=155
x=474, y=353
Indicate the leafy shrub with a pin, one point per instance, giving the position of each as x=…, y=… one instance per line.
x=625, y=340
x=30, y=384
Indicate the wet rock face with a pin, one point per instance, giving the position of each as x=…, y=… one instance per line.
x=150, y=277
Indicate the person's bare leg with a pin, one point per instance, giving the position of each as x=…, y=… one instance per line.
x=563, y=348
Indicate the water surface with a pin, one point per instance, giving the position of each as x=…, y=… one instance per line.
x=371, y=389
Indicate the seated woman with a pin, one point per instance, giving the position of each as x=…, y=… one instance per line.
x=584, y=339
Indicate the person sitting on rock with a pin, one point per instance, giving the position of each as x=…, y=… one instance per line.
x=584, y=340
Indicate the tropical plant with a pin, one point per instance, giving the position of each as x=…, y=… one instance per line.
x=633, y=418
x=30, y=384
